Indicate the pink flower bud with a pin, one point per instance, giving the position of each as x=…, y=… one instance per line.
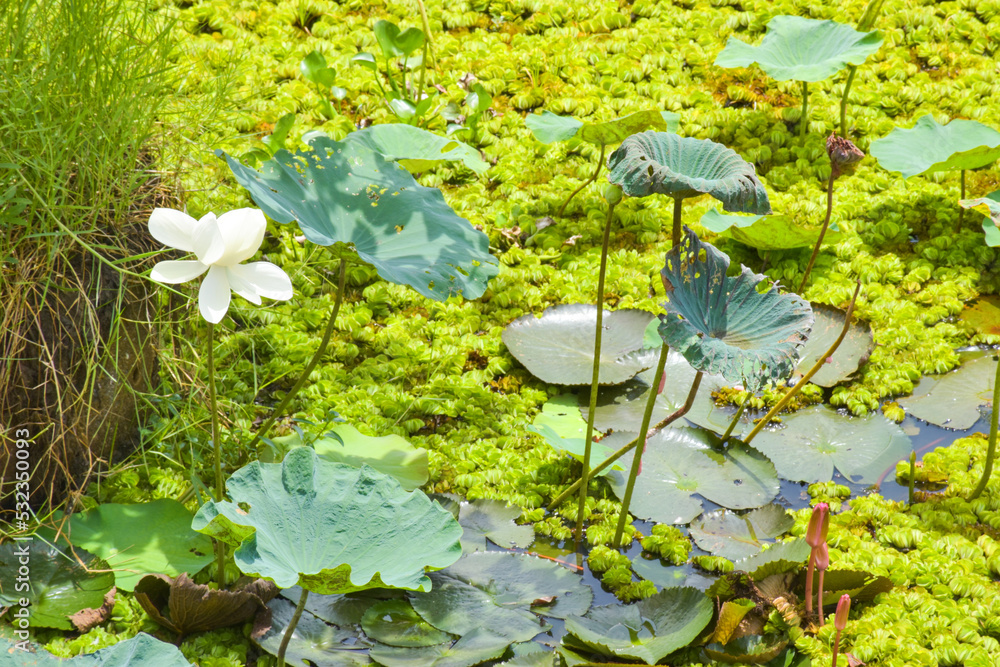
x=822, y=556
x=843, y=610
x=819, y=525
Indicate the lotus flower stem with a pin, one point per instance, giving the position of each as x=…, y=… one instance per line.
x=676, y=231
x=840, y=622
x=291, y=627
x=961, y=209
x=220, y=486
x=822, y=233
x=992, y=448
x=637, y=458
x=804, y=123
x=596, y=377
x=732, y=424
x=427, y=46
x=593, y=177
x=913, y=476
x=822, y=562
x=816, y=533
x=330, y=326
x=812, y=371
x=851, y=69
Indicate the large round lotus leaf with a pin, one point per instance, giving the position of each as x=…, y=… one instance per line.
x=331, y=528
x=139, y=651
x=816, y=439
x=474, y=648
x=766, y=232
x=549, y=127
x=736, y=536
x=954, y=399
x=929, y=146
x=801, y=49
x=136, y=540
x=990, y=207
x=562, y=426
x=394, y=622
x=59, y=585
x=853, y=352
x=727, y=325
x=313, y=642
x=347, y=193
x=558, y=347
x=416, y=149
x=682, y=462
x=667, y=164
x=484, y=519
x=984, y=315
x=649, y=630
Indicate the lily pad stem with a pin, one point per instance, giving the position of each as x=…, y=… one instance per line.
x=812, y=371
x=804, y=123
x=220, y=487
x=992, y=447
x=330, y=325
x=822, y=233
x=600, y=163
x=291, y=627
x=596, y=377
x=851, y=69
x=739, y=413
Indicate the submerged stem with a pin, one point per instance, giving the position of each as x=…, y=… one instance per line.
x=804, y=123
x=593, y=177
x=291, y=627
x=992, y=447
x=822, y=233
x=220, y=487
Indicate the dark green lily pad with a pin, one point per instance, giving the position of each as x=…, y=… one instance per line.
x=989, y=206
x=667, y=164
x=549, y=127
x=928, y=147
x=682, y=462
x=344, y=611
x=778, y=558
x=347, y=193
x=766, y=232
x=475, y=647
x=953, y=399
x=562, y=426
x=558, y=347
x=852, y=354
x=669, y=576
x=329, y=527
x=312, y=640
x=531, y=654
x=749, y=649
x=736, y=536
x=417, y=150
x=484, y=519
x=60, y=586
x=801, y=49
x=984, y=315
x=648, y=631
x=139, y=651
x=394, y=622
x=725, y=325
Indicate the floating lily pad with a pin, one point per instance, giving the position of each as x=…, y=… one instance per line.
x=474, y=648
x=736, y=536
x=989, y=206
x=394, y=622
x=329, y=527
x=313, y=642
x=725, y=325
x=549, y=127
x=682, y=462
x=139, y=651
x=484, y=519
x=766, y=232
x=984, y=315
x=347, y=193
x=801, y=49
x=648, y=631
x=954, y=399
x=417, y=150
x=60, y=586
x=928, y=147
x=558, y=347
x=853, y=352
x=562, y=426
x=344, y=611
x=749, y=649
x=667, y=164
x=778, y=558
x=669, y=576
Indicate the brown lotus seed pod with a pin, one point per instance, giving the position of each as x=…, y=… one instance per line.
x=843, y=154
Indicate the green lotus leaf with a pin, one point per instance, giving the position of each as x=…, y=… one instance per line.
x=484, y=519
x=549, y=127
x=778, y=558
x=853, y=352
x=558, y=347
x=313, y=642
x=928, y=147
x=332, y=528
x=990, y=207
x=725, y=325
x=140, y=539
x=649, y=630
x=416, y=149
x=474, y=648
x=954, y=399
x=60, y=586
x=815, y=440
x=347, y=193
x=389, y=454
x=766, y=232
x=983, y=314
x=736, y=536
x=563, y=427
x=682, y=462
x=748, y=649
x=394, y=622
x=395, y=43
x=139, y=651
x=314, y=69
x=669, y=576
x=861, y=586
x=667, y=164
x=531, y=654
x=801, y=49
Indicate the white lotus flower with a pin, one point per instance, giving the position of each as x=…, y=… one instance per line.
x=220, y=244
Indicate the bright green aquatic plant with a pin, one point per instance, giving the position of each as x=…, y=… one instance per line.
x=406, y=99
x=801, y=49
x=315, y=70
x=416, y=149
x=476, y=103
x=865, y=24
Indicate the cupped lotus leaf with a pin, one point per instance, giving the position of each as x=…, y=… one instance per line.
x=140, y=539
x=649, y=630
x=558, y=347
x=736, y=536
x=313, y=642
x=801, y=49
x=726, y=325
x=852, y=354
x=474, y=648
x=953, y=399
x=990, y=207
x=416, y=149
x=562, y=426
x=332, y=528
x=484, y=519
x=347, y=193
x=667, y=164
x=815, y=440
x=766, y=232
x=389, y=454
x=682, y=462
x=60, y=584
x=928, y=147
x=394, y=622
x=549, y=127
x=983, y=314
x=669, y=576
x=139, y=651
